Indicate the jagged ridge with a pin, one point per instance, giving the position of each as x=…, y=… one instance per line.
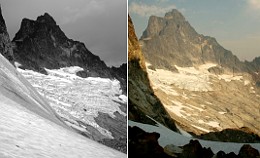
x=5, y=45
x=171, y=40
x=42, y=44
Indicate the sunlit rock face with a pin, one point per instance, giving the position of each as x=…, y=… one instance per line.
x=171, y=40
x=142, y=101
x=203, y=86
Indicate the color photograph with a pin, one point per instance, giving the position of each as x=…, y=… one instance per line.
x=193, y=78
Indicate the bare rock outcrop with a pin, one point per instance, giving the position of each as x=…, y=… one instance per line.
x=142, y=101
x=5, y=44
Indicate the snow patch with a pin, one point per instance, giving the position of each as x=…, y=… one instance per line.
x=17, y=64
x=246, y=82
x=208, y=102
x=200, y=128
x=190, y=78
x=73, y=97
x=210, y=123
x=176, y=108
x=123, y=98
x=197, y=108
x=184, y=133
x=229, y=78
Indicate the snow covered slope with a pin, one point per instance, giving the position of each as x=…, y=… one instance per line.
x=82, y=102
x=30, y=128
x=204, y=102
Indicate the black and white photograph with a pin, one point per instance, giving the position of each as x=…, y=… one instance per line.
x=63, y=78
x=129, y=78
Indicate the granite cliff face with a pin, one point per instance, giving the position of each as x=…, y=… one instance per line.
x=203, y=86
x=5, y=45
x=171, y=40
x=142, y=101
x=42, y=44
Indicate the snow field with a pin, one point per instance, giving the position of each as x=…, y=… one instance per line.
x=24, y=134
x=190, y=93
x=76, y=98
x=30, y=128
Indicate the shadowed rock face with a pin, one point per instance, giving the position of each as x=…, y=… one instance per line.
x=5, y=44
x=142, y=100
x=42, y=44
x=254, y=66
x=143, y=144
x=232, y=135
x=247, y=151
x=15, y=87
x=195, y=150
x=120, y=73
x=171, y=40
x=118, y=128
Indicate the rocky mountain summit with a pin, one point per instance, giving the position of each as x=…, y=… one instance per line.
x=171, y=40
x=5, y=45
x=142, y=101
x=203, y=86
x=42, y=44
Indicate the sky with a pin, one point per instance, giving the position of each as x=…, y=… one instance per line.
x=234, y=23
x=100, y=24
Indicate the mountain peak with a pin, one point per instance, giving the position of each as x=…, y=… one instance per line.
x=171, y=40
x=2, y=22
x=5, y=44
x=46, y=18
x=174, y=14
x=42, y=44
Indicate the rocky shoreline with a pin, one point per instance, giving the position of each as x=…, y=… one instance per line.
x=144, y=144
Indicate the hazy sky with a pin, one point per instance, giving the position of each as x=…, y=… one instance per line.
x=100, y=24
x=234, y=23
